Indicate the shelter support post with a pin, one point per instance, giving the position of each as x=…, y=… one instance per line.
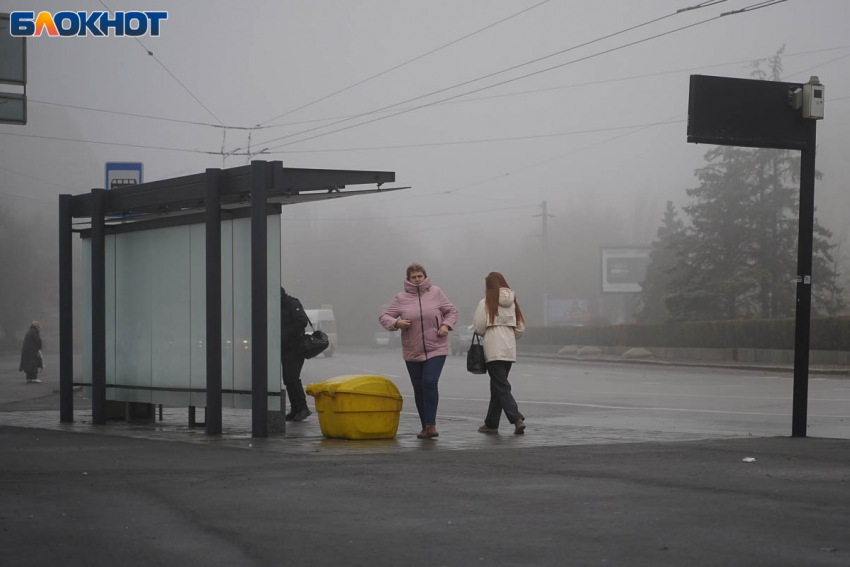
x=259, y=301
x=66, y=312
x=804, y=283
x=98, y=306
x=213, y=299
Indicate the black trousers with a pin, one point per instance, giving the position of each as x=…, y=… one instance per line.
x=291, y=363
x=501, y=398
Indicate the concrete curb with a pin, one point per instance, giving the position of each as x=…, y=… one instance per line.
x=726, y=366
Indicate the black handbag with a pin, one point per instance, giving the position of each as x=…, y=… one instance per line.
x=475, y=362
x=314, y=343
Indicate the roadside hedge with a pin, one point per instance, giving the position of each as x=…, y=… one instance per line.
x=832, y=333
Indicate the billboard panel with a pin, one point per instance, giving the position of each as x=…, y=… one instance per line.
x=744, y=112
x=623, y=269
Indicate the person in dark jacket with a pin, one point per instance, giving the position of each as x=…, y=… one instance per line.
x=293, y=322
x=30, y=353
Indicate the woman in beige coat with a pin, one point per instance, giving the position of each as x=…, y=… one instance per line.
x=499, y=321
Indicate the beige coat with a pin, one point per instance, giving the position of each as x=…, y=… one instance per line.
x=499, y=337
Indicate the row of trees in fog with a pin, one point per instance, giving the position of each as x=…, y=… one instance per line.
x=28, y=286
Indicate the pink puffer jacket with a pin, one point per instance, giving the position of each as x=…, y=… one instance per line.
x=427, y=307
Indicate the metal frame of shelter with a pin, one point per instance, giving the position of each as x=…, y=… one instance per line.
x=208, y=196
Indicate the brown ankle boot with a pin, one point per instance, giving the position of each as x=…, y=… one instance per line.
x=431, y=431
x=519, y=427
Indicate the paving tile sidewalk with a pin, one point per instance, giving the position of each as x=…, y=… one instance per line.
x=456, y=433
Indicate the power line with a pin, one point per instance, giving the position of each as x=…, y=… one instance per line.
x=556, y=158
x=478, y=141
x=35, y=178
x=146, y=116
x=26, y=198
x=576, y=85
x=497, y=84
x=456, y=213
x=400, y=65
x=818, y=66
x=173, y=76
x=753, y=7
x=335, y=241
x=489, y=75
x=57, y=138
x=514, y=79
x=472, y=99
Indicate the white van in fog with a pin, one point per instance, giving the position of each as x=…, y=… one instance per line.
x=323, y=320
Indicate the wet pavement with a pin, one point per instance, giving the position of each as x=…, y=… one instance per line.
x=616, y=468
x=456, y=433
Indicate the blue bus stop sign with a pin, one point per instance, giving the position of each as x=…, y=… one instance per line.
x=123, y=173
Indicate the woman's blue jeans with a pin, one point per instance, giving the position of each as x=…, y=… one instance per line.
x=424, y=377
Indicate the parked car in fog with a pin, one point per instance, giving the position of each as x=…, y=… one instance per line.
x=386, y=339
x=460, y=339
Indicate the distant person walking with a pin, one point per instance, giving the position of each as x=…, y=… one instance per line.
x=293, y=322
x=499, y=321
x=31, y=353
x=424, y=315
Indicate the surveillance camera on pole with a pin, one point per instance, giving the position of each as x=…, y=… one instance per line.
x=810, y=97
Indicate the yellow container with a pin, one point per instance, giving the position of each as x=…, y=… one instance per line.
x=357, y=407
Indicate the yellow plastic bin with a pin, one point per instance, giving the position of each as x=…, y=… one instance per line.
x=357, y=407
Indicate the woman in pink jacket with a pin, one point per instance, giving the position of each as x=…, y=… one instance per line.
x=425, y=316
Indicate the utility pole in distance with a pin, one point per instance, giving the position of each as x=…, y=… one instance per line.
x=545, y=242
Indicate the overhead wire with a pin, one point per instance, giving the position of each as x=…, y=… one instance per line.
x=817, y=66
x=451, y=214
x=146, y=116
x=33, y=177
x=335, y=241
x=584, y=84
x=409, y=61
x=753, y=7
x=475, y=141
x=483, y=77
x=142, y=146
x=472, y=99
x=669, y=32
x=173, y=76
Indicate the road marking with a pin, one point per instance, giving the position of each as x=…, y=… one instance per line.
x=463, y=417
x=638, y=408
x=652, y=383
x=722, y=396
x=528, y=375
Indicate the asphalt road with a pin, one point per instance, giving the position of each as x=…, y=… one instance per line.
x=84, y=495
x=620, y=396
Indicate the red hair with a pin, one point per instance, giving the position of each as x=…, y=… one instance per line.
x=492, y=284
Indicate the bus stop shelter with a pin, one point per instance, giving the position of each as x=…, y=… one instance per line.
x=136, y=236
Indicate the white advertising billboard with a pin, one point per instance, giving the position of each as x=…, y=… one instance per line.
x=623, y=269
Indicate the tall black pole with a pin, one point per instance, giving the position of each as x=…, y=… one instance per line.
x=98, y=306
x=259, y=302
x=66, y=313
x=213, y=267
x=804, y=282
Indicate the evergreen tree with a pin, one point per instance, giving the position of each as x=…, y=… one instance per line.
x=662, y=265
x=739, y=256
x=715, y=275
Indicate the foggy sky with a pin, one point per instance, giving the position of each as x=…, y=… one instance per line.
x=248, y=65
